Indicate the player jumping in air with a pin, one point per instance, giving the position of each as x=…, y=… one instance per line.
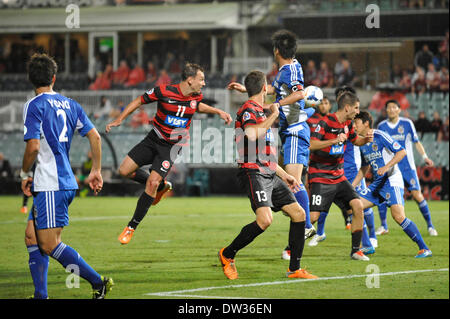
x=383, y=154
x=169, y=133
x=267, y=185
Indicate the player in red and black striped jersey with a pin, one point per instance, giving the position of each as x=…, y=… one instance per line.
x=267, y=185
x=326, y=171
x=170, y=131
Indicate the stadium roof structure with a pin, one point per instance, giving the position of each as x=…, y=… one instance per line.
x=124, y=18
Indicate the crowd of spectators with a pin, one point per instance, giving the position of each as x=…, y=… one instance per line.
x=436, y=126
x=430, y=71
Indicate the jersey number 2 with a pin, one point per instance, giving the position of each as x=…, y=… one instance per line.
x=63, y=135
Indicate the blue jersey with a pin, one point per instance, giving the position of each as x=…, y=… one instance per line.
x=352, y=161
x=405, y=134
x=292, y=117
x=378, y=153
x=53, y=119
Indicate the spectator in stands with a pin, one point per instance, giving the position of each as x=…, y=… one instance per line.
x=136, y=76
x=152, y=73
x=432, y=78
x=272, y=74
x=105, y=108
x=405, y=82
x=325, y=76
x=422, y=124
x=423, y=57
x=386, y=93
x=102, y=82
x=140, y=118
x=345, y=76
x=443, y=51
x=164, y=78
x=116, y=111
x=443, y=74
x=418, y=81
x=443, y=133
x=121, y=74
x=310, y=73
x=5, y=168
x=436, y=123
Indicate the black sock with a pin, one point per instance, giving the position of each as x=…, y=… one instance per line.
x=161, y=185
x=296, y=242
x=345, y=215
x=356, y=240
x=140, y=176
x=246, y=236
x=25, y=200
x=143, y=204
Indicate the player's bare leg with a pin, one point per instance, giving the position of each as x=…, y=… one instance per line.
x=128, y=167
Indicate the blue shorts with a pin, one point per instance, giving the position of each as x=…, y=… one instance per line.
x=410, y=179
x=390, y=195
x=295, y=150
x=51, y=209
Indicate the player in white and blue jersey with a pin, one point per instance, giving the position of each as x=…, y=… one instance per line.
x=50, y=121
x=382, y=155
x=403, y=131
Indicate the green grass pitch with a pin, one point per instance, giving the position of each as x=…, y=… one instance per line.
x=173, y=254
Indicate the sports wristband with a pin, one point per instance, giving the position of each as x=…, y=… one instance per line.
x=24, y=175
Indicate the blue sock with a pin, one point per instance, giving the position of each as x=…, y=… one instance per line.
x=370, y=222
x=425, y=210
x=382, y=209
x=411, y=230
x=38, y=264
x=66, y=255
x=303, y=199
x=365, y=237
x=321, y=223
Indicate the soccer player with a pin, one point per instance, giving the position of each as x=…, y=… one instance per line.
x=50, y=120
x=294, y=131
x=403, y=131
x=267, y=185
x=169, y=133
x=326, y=173
x=352, y=163
x=382, y=155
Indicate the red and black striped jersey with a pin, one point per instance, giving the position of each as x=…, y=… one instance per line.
x=314, y=120
x=260, y=154
x=326, y=165
x=174, y=112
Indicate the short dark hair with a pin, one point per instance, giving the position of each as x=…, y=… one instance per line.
x=190, y=69
x=338, y=91
x=365, y=116
x=254, y=82
x=346, y=98
x=41, y=69
x=391, y=101
x=286, y=43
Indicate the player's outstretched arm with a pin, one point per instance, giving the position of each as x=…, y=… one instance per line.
x=237, y=86
x=31, y=150
x=316, y=144
x=126, y=112
x=421, y=150
x=95, y=179
x=292, y=98
x=205, y=108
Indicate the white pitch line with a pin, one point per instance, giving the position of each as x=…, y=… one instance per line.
x=180, y=293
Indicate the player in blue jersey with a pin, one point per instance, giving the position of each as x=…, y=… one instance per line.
x=294, y=131
x=382, y=156
x=403, y=131
x=50, y=120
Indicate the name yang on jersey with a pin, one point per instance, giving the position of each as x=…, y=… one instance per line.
x=60, y=104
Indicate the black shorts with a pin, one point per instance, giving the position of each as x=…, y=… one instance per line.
x=265, y=190
x=323, y=195
x=155, y=151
